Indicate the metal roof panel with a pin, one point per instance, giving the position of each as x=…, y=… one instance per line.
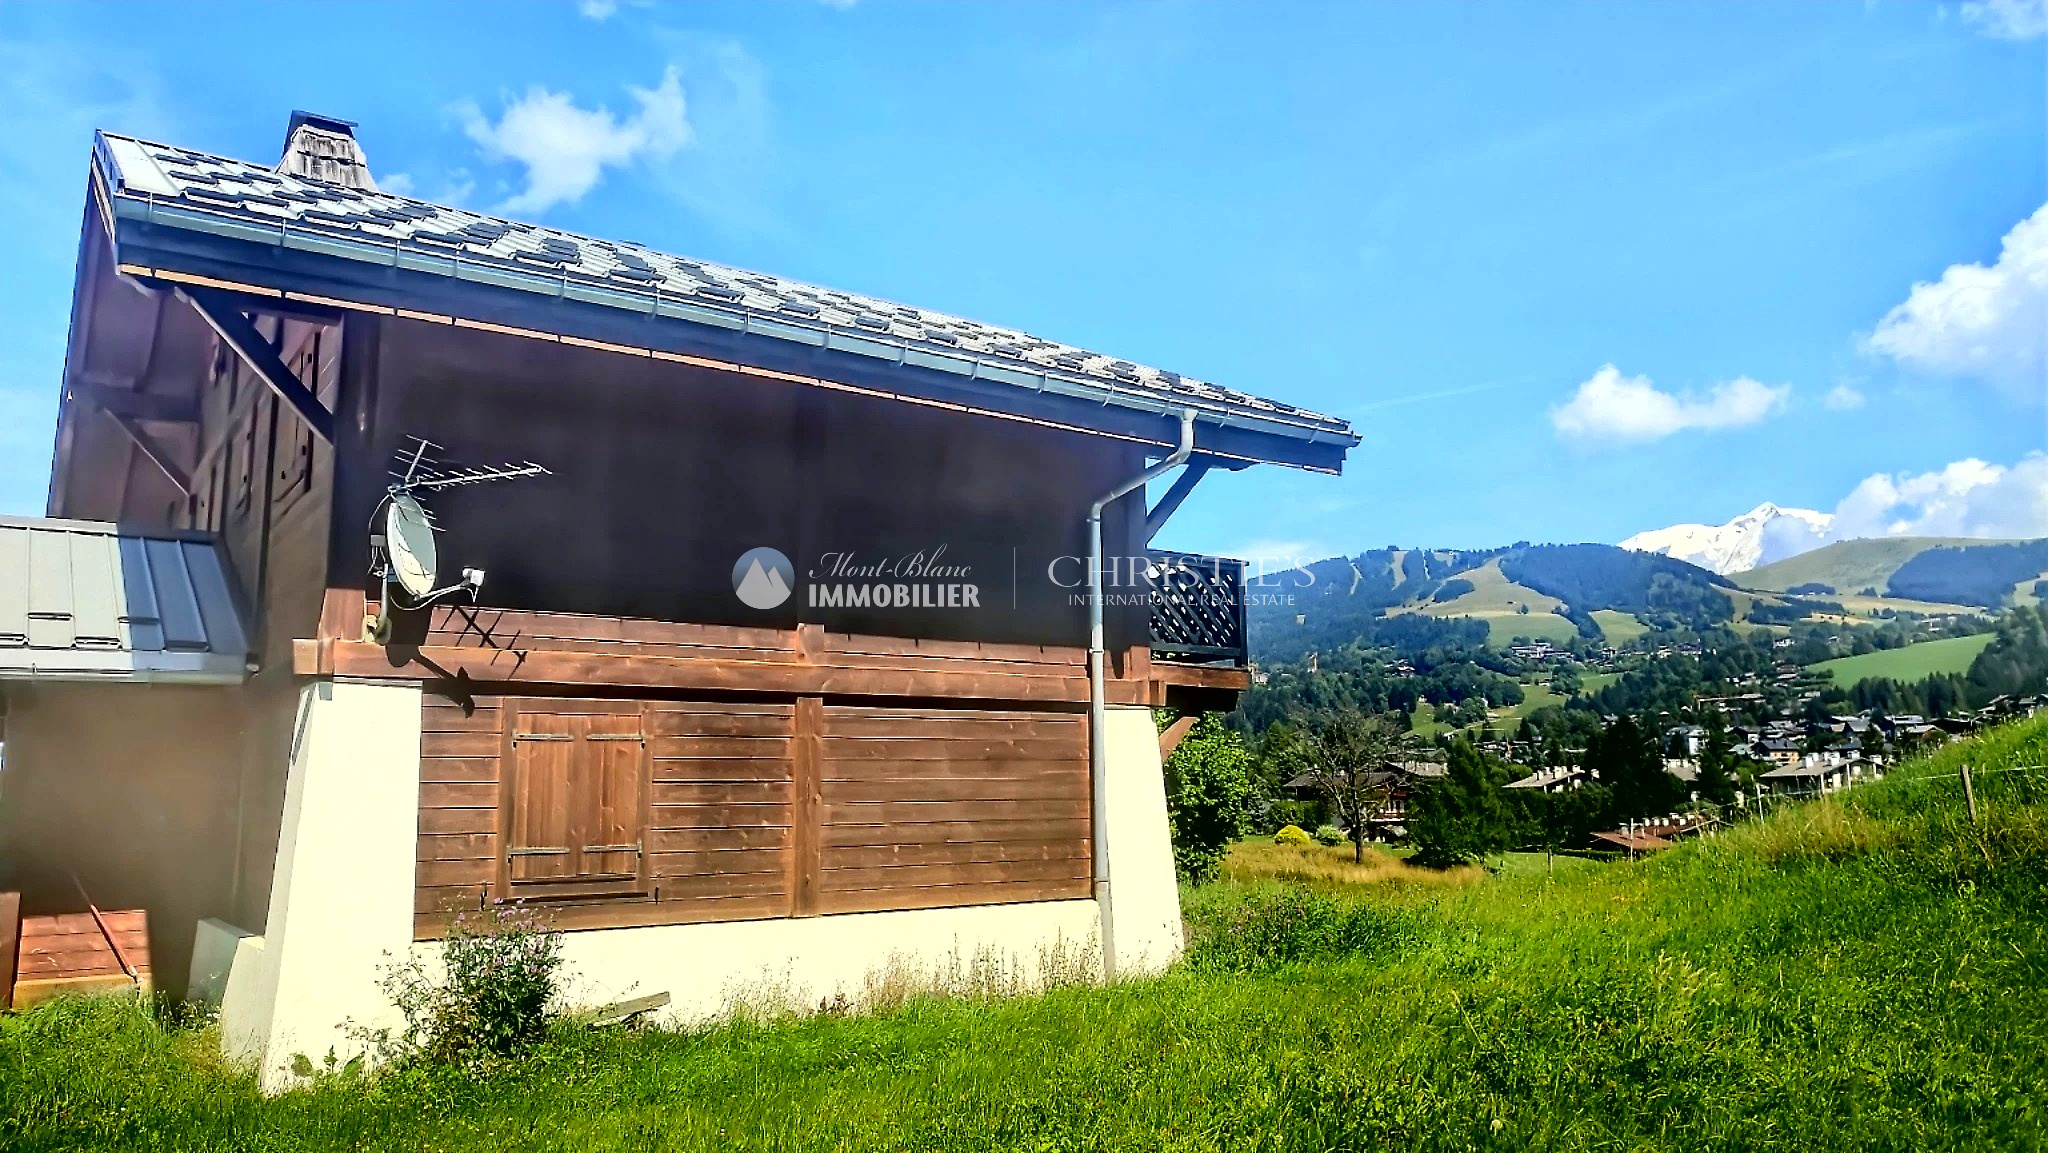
x=92, y=601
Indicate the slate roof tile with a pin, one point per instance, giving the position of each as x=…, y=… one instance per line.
x=235, y=187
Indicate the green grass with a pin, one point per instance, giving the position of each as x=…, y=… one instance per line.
x=1864, y=973
x=1912, y=663
x=1619, y=627
x=1591, y=683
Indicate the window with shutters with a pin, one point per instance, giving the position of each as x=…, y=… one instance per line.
x=575, y=812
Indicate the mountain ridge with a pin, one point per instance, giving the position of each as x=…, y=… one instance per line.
x=1760, y=536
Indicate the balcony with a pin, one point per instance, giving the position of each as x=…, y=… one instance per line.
x=1198, y=609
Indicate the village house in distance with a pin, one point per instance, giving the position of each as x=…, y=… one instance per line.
x=403, y=562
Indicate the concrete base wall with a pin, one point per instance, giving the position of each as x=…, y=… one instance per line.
x=341, y=895
x=1144, y=894
x=801, y=964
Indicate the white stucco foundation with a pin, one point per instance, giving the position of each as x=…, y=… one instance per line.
x=341, y=896
x=1144, y=894
x=798, y=964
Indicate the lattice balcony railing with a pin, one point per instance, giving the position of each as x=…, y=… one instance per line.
x=1197, y=608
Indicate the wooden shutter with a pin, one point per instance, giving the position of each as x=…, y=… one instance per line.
x=576, y=803
x=610, y=826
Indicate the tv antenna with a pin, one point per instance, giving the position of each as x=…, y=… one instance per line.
x=405, y=557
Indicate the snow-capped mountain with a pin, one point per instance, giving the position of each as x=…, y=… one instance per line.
x=1763, y=534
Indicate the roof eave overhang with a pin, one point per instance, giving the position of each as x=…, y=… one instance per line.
x=176, y=243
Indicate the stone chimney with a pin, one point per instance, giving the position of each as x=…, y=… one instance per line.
x=325, y=149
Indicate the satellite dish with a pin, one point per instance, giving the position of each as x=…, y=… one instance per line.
x=409, y=539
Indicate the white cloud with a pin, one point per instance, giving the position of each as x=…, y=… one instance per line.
x=1989, y=323
x=1843, y=397
x=396, y=183
x=1613, y=407
x=565, y=149
x=1968, y=498
x=2008, y=19
x=597, y=9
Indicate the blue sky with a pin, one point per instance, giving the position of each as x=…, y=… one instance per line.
x=1441, y=221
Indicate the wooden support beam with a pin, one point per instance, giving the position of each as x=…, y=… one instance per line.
x=139, y=405
x=159, y=454
x=1176, y=733
x=223, y=313
x=1183, y=485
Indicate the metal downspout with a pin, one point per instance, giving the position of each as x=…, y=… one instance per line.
x=1099, y=805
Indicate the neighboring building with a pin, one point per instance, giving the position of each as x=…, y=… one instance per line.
x=1817, y=774
x=873, y=750
x=1561, y=779
x=1396, y=781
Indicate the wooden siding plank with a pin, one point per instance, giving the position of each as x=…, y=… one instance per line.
x=951, y=873
x=1056, y=785
x=718, y=863
x=948, y=748
x=660, y=841
x=439, y=821
x=703, y=886
x=452, y=770
x=954, y=853
x=469, y=744
x=450, y=795
x=671, y=723
x=919, y=812
x=950, y=832
x=946, y=896
x=721, y=769
x=435, y=874
x=455, y=847
x=891, y=724
x=674, y=793
x=720, y=816
x=699, y=748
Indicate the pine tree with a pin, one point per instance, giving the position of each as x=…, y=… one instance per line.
x=1716, y=780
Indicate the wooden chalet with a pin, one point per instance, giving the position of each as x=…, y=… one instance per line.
x=901, y=760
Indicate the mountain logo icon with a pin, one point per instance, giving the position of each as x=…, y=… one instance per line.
x=762, y=578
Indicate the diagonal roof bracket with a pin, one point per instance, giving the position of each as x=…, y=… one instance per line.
x=148, y=406
x=1168, y=504
x=224, y=315
x=159, y=454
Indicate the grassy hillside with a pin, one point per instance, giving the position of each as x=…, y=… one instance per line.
x=1911, y=663
x=1847, y=566
x=1864, y=973
x=1499, y=602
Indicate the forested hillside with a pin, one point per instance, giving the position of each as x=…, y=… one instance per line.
x=1367, y=599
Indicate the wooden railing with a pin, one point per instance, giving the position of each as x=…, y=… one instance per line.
x=1198, y=609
